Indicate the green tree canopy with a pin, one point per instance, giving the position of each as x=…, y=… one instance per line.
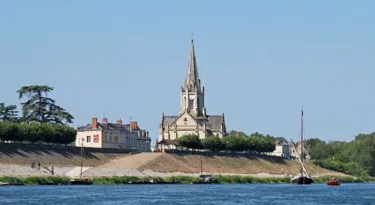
x=8, y=113
x=212, y=143
x=39, y=107
x=190, y=141
x=37, y=132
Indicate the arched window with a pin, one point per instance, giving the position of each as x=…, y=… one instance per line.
x=191, y=103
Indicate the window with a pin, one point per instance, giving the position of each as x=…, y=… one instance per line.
x=191, y=103
x=96, y=138
x=88, y=139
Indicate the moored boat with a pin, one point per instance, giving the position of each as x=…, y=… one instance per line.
x=48, y=183
x=303, y=177
x=203, y=178
x=333, y=182
x=81, y=180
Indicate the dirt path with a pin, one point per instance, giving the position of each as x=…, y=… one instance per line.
x=132, y=161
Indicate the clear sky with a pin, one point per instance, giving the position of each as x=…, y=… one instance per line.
x=260, y=61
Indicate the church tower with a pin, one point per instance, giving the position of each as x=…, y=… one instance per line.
x=192, y=94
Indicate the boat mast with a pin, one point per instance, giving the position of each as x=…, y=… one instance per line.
x=81, y=156
x=302, y=157
x=201, y=164
x=302, y=136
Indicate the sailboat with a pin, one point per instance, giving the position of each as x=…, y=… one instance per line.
x=303, y=177
x=204, y=178
x=81, y=180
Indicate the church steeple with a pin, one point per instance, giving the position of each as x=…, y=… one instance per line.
x=192, y=81
x=192, y=95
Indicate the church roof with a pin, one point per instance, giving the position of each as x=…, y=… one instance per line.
x=213, y=122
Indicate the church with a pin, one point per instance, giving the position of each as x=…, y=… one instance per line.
x=192, y=117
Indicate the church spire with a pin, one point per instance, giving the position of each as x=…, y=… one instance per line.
x=192, y=79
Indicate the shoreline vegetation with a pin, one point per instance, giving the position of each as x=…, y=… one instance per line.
x=217, y=179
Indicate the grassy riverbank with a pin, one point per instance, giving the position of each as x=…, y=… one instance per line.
x=219, y=179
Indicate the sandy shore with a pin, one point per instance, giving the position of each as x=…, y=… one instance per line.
x=18, y=170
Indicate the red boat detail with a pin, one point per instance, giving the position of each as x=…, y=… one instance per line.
x=333, y=182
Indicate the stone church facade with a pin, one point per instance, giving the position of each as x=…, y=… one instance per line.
x=192, y=117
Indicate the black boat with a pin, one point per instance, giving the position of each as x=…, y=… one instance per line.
x=203, y=178
x=48, y=183
x=81, y=180
x=12, y=184
x=303, y=177
x=16, y=183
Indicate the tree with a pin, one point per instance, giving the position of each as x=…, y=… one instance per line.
x=212, y=143
x=39, y=107
x=190, y=141
x=35, y=132
x=8, y=113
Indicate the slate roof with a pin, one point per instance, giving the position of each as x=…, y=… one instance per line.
x=106, y=126
x=212, y=121
x=168, y=142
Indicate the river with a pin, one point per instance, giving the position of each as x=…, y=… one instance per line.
x=227, y=194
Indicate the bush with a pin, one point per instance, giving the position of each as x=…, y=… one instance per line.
x=258, y=143
x=212, y=144
x=350, y=168
x=190, y=141
x=37, y=132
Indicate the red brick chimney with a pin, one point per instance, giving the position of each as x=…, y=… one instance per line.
x=119, y=122
x=134, y=125
x=105, y=120
x=94, y=123
x=237, y=134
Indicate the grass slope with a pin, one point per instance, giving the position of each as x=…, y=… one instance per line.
x=227, y=163
x=50, y=155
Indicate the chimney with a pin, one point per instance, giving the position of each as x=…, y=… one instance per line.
x=238, y=134
x=134, y=125
x=276, y=142
x=94, y=123
x=119, y=122
x=105, y=120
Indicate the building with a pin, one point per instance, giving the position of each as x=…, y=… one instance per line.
x=280, y=150
x=113, y=135
x=192, y=117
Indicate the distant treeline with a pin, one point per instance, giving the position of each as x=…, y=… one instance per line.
x=37, y=132
x=234, y=142
x=355, y=158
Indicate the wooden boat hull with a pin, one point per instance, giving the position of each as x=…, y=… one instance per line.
x=201, y=182
x=333, y=183
x=147, y=182
x=81, y=182
x=48, y=183
x=302, y=180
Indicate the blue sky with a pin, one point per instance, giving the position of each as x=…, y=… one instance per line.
x=260, y=61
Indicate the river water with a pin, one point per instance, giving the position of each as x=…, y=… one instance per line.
x=189, y=194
